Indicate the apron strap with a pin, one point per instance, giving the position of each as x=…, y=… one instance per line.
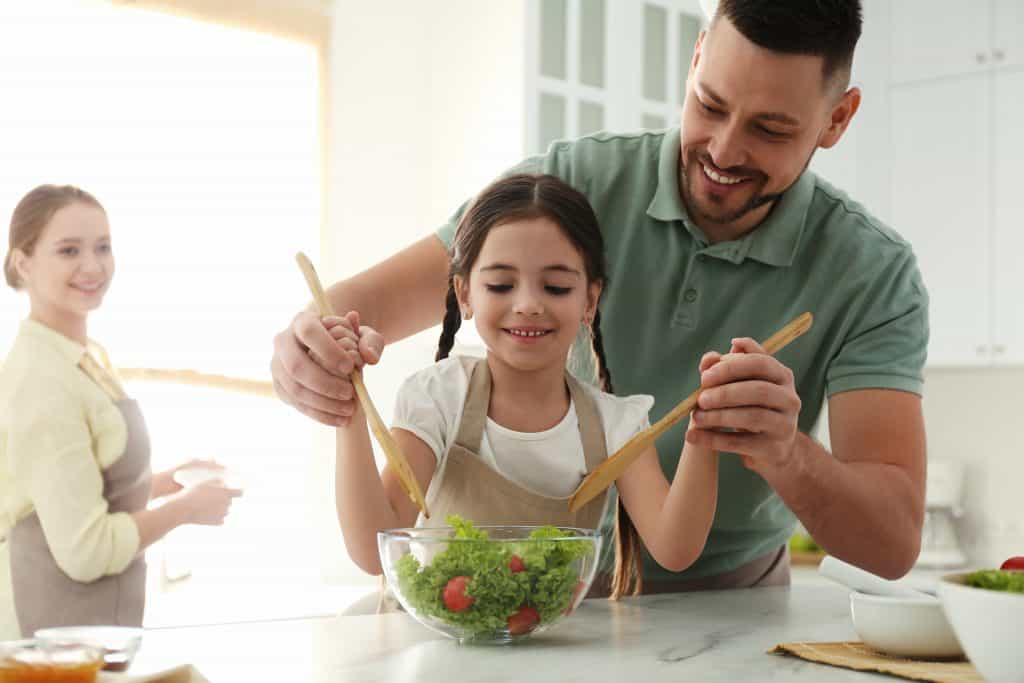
x=478, y=397
x=595, y=450
x=474, y=409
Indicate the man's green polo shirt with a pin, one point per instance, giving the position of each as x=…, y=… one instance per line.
x=671, y=296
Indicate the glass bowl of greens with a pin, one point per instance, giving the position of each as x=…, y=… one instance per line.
x=489, y=584
x=986, y=610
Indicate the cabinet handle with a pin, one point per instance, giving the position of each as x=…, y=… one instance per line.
x=999, y=349
x=998, y=54
x=981, y=57
x=982, y=350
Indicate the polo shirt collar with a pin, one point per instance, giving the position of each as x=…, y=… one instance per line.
x=67, y=348
x=774, y=242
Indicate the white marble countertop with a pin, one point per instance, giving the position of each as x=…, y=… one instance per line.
x=710, y=636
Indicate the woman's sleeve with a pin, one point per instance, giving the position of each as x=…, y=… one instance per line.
x=52, y=461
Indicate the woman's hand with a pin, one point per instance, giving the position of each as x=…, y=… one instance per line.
x=163, y=483
x=207, y=503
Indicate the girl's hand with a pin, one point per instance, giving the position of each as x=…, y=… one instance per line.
x=749, y=406
x=207, y=503
x=163, y=483
x=311, y=370
x=707, y=360
x=359, y=344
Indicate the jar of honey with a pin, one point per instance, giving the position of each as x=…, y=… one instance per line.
x=25, y=661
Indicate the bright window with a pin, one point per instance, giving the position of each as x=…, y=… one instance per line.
x=202, y=142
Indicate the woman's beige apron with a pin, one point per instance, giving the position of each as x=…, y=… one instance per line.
x=44, y=596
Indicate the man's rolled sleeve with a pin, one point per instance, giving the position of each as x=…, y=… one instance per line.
x=888, y=345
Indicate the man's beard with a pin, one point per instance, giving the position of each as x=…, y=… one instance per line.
x=756, y=201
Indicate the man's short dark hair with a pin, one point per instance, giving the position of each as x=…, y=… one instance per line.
x=824, y=28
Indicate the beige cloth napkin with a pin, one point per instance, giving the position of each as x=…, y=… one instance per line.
x=858, y=656
x=185, y=673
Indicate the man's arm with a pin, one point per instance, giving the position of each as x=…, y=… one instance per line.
x=864, y=502
x=400, y=296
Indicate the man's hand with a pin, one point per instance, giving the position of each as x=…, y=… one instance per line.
x=313, y=359
x=748, y=406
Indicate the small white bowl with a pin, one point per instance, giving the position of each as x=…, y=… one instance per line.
x=193, y=476
x=906, y=627
x=990, y=624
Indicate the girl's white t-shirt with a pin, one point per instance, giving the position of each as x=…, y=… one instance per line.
x=549, y=463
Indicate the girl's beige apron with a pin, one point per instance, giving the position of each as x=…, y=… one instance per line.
x=469, y=487
x=44, y=596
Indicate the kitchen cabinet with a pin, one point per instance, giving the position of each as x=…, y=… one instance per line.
x=940, y=201
x=938, y=39
x=600, y=65
x=932, y=39
x=956, y=157
x=1008, y=215
x=1008, y=32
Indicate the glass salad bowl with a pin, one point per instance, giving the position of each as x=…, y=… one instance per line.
x=489, y=584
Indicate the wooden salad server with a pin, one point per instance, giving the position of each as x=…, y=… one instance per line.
x=387, y=442
x=605, y=474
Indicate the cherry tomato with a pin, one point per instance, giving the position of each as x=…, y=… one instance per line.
x=523, y=621
x=516, y=564
x=454, y=595
x=575, y=596
x=1014, y=564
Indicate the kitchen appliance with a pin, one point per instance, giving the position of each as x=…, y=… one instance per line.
x=940, y=547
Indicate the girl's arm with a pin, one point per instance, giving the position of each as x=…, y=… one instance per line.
x=368, y=501
x=673, y=520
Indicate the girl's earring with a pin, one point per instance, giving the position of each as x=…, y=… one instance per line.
x=467, y=313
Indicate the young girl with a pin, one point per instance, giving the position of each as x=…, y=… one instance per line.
x=509, y=438
x=74, y=455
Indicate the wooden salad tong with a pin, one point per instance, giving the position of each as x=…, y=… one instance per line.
x=387, y=442
x=605, y=474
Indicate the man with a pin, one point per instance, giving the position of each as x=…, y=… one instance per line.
x=717, y=235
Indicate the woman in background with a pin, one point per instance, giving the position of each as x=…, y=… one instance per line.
x=75, y=476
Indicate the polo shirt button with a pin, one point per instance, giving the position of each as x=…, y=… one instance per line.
x=702, y=258
x=690, y=295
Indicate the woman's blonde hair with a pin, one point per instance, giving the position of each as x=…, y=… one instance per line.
x=33, y=214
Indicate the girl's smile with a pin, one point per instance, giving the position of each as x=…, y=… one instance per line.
x=528, y=294
x=527, y=335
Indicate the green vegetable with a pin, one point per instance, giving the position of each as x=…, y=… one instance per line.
x=547, y=583
x=996, y=580
x=802, y=543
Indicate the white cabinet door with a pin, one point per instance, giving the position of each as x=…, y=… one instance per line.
x=940, y=202
x=1008, y=33
x=935, y=38
x=1008, y=166
x=656, y=41
x=567, y=70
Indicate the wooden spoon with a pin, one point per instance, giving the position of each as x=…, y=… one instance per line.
x=605, y=474
x=387, y=442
